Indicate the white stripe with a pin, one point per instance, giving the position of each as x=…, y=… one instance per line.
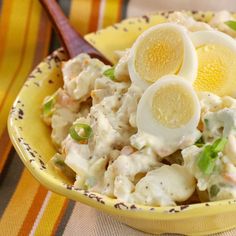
x=39, y=217
x=101, y=14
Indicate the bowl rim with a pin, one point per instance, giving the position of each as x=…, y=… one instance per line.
x=139, y=211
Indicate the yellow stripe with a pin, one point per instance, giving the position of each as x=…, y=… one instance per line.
x=19, y=205
x=80, y=15
x=111, y=12
x=50, y=215
x=12, y=59
x=14, y=40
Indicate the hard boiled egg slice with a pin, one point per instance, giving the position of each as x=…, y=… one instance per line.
x=216, y=53
x=161, y=50
x=169, y=110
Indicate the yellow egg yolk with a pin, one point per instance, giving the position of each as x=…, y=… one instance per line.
x=173, y=106
x=159, y=54
x=216, y=70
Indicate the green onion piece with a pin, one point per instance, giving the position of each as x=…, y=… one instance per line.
x=206, y=162
x=223, y=185
x=90, y=182
x=231, y=24
x=58, y=161
x=214, y=190
x=200, y=142
x=207, y=158
x=219, y=144
x=206, y=122
x=110, y=73
x=48, y=106
x=80, y=132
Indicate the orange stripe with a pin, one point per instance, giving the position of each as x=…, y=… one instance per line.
x=119, y=15
x=21, y=55
x=33, y=211
x=60, y=217
x=80, y=13
x=94, y=15
x=4, y=25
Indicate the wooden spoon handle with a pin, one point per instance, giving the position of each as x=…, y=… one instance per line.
x=71, y=40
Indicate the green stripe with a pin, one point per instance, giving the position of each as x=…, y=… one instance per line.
x=55, y=42
x=1, y=6
x=9, y=179
x=124, y=9
x=65, y=5
x=65, y=218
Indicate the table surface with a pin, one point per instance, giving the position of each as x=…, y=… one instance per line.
x=26, y=37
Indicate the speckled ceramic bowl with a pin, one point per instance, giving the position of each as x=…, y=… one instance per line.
x=31, y=138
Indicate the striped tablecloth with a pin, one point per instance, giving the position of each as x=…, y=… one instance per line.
x=26, y=37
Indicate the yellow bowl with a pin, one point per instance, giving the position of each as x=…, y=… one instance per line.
x=31, y=138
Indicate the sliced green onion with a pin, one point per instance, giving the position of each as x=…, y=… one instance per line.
x=60, y=166
x=206, y=122
x=231, y=24
x=58, y=161
x=90, y=182
x=80, y=132
x=207, y=158
x=110, y=73
x=200, y=142
x=206, y=162
x=214, y=190
x=219, y=144
x=48, y=106
x=223, y=185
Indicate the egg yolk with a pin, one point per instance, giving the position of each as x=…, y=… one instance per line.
x=173, y=106
x=158, y=54
x=216, y=70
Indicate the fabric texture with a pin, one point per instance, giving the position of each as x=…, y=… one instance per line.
x=26, y=37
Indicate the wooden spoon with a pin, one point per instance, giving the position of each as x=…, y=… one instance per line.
x=72, y=41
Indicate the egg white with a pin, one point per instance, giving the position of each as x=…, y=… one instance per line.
x=200, y=38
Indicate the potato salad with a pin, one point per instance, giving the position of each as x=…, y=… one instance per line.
x=159, y=127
